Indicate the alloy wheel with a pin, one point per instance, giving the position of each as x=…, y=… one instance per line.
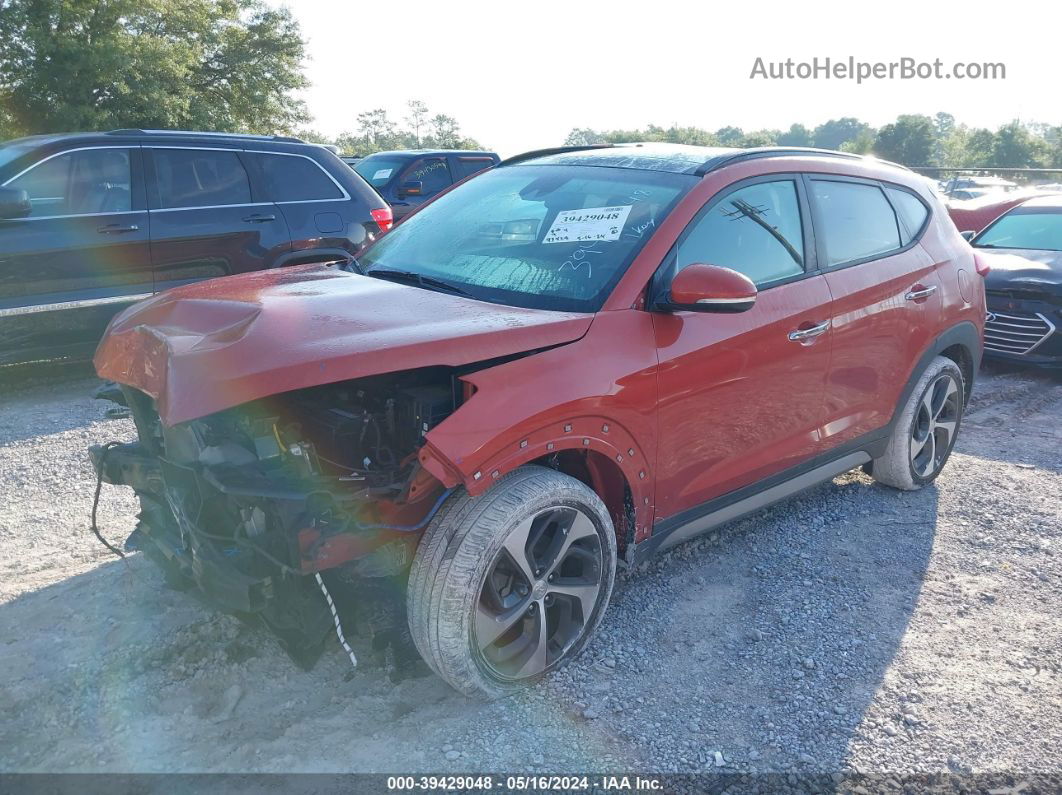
x=936, y=420
x=539, y=594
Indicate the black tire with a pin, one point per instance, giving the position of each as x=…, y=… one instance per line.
x=900, y=466
x=449, y=592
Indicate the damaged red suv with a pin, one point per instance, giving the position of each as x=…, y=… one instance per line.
x=559, y=367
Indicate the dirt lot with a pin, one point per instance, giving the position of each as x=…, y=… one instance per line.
x=855, y=628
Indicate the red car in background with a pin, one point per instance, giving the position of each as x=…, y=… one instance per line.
x=973, y=215
x=571, y=362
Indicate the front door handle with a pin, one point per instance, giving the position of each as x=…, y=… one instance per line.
x=116, y=228
x=918, y=292
x=259, y=219
x=802, y=334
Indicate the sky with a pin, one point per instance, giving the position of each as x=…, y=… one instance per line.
x=520, y=75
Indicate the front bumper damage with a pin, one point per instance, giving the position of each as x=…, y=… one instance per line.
x=253, y=544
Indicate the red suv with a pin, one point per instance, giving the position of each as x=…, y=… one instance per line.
x=567, y=364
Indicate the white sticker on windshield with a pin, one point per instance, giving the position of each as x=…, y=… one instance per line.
x=383, y=173
x=588, y=224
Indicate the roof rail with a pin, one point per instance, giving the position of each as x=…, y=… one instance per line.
x=138, y=131
x=556, y=150
x=781, y=151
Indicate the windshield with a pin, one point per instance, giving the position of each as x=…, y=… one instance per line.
x=12, y=150
x=378, y=170
x=1035, y=230
x=545, y=237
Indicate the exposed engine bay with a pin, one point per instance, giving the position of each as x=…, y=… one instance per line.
x=241, y=506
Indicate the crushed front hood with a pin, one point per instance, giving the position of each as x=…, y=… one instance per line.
x=212, y=345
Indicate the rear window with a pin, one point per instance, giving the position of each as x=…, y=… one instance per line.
x=294, y=178
x=857, y=220
x=1024, y=229
x=378, y=170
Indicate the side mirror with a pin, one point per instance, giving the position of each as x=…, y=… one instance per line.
x=410, y=189
x=969, y=235
x=709, y=288
x=14, y=203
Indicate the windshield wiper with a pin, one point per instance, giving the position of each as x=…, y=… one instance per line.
x=419, y=279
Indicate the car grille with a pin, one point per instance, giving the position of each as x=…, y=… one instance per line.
x=1016, y=333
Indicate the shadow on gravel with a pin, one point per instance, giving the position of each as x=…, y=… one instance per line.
x=782, y=628
x=15, y=377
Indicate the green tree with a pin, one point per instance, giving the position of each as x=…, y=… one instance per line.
x=862, y=144
x=1015, y=147
x=979, y=147
x=225, y=65
x=376, y=130
x=445, y=131
x=583, y=136
x=910, y=140
x=796, y=135
x=417, y=118
x=835, y=132
x=944, y=123
x=729, y=136
x=760, y=138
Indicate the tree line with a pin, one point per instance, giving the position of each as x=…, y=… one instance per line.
x=419, y=128
x=237, y=66
x=912, y=139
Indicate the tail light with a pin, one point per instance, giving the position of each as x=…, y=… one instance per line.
x=981, y=266
x=383, y=217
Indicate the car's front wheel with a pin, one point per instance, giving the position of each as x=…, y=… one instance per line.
x=511, y=585
x=925, y=431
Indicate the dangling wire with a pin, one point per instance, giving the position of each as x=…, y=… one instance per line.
x=335, y=618
x=96, y=499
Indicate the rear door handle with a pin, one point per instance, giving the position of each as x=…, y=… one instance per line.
x=918, y=291
x=802, y=334
x=258, y=218
x=116, y=228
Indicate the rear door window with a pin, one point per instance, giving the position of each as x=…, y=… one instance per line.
x=857, y=220
x=83, y=182
x=432, y=173
x=467, y=166
x=293, y=178
x=200, y=178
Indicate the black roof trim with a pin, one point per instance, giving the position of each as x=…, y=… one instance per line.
x=193, y=133
x=556, y=150
x=776, y=151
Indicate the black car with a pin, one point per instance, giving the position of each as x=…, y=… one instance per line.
x=1024, y=288
x=410, y=177
x=92, y=222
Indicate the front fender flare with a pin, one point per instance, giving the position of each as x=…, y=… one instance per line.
x=587, y=432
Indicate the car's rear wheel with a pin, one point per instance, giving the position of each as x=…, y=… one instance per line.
x=924, y=434
x=511, y=585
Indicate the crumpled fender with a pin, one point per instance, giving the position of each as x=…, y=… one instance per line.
x=590, y=395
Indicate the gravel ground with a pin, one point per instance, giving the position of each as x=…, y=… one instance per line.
x=853, y=629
